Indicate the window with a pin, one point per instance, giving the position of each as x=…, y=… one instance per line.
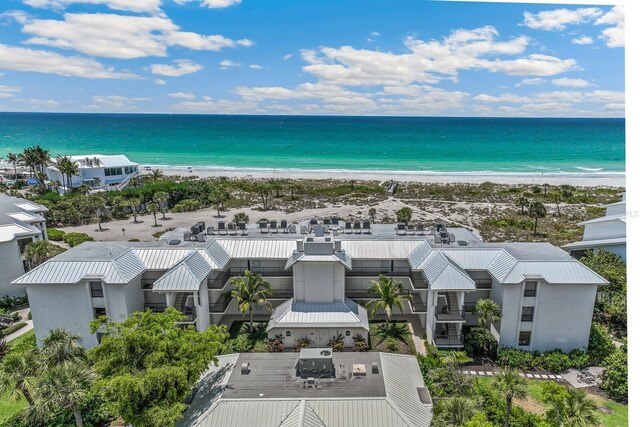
x=25, y=265
x=530, y=289
x=96, y=289
x=347, y=333
x=97, y=312
x=129, y=169
x=524, y=338
x=23, y=243
x=112, y=171
x=483, y=283
x=288, y=333
x=527, y=314
x=468, y=308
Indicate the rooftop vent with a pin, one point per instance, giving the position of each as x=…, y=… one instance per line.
x=244, y=368
x=424, y=396
x=174, y=242
x=375, y=368
x=463, y=243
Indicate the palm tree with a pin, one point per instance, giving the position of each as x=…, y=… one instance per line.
x=161, y=198
x=276, y=184
x=522, y=203
x=509, y=382
x=389, y=294
x=61, y=346
x=42, y=158
x=156, y=175
x=14, y=160
x=28, y=157
x=216, y=196
x=580, y=409
x=134, y=204
x=65, y=386
x=241, y=217
x=153, y=207
x=18, y=376
x=455, y=411
x=537, y=210
x=98, y=207
x=40, y=251
x=488, y=311
x=250, y=290
x=372, y=214
x=404, y=214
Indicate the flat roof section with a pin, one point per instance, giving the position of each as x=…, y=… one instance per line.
x=274, y=377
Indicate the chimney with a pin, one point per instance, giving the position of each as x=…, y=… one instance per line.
x=299, y=245
x=337, y=245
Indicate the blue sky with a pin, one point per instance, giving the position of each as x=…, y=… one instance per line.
x=307, y=57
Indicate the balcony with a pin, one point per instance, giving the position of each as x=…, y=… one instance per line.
x=450, y=316
x=281, y=294
x=417, y=306
x=263, y=271
x=448, y=341
x=220, y=306
x=358, y=294
x=377, y=271
x=156, y=307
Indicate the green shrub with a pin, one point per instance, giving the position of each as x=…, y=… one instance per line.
x=55, y=234
x=11, y=329
x=600, y=344
x=275, y=345
x=9, y=303
x=133, y=240
x=302, y=343
x=74, y=238
x=337, y=342
x=241, y=344
x=187, y=205
x=29, y=315
x=615, y=377
x=555, y=361
x=360, y=343
x=480, y=342
x=391, y=344
x=579, y=359
x=515, y=358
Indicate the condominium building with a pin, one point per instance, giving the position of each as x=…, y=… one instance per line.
x=320, y=282
x=608, y=233
x=97, y=171
x=21, y=222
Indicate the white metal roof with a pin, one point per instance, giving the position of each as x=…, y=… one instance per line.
x=161, y=258
x=418, y=254
x=501, y=265
x=9, y=232
x=380, y=249
x=301, y=315
x=596, y=243
x=443, y=274
x=472, y=259
x=558, y=272
x=340, y=257
x=610, y=218
x=107, y=161
x=186, y=275
x=258, y=248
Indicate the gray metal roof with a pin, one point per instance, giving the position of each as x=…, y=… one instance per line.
x=187, y=275
x=340, y=257
x=258, y=248
x=161, y=258
x=303, y=415
x=418, y=254
x=443, y=274
x=559, y=272
x=501, y=265
x=585, y=244
x=380, y=249
x=305, y=315
x=472, y=259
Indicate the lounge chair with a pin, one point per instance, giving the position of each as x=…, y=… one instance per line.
x=187, y=237
x=221, y=228
x=335, y=220
x=211, y=230
x=273, y=226
x=292, y=229
x=347, y=228
x=411, y=229
x=303, y=229
x=356, y=227
x=366, y=227
x=432, y=230
x=232, y=229
x=283, y=226
x=401, y=229
x=326, y=221
x=202, y=237
x=264, y=227
x=420, y=229
x=313, y=221
x=243, y=228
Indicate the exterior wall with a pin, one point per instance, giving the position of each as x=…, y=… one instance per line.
x=318, y=282
x=605, y=230
x=62, y=306
x=11, y=268
x=620, y=209
x=319, y=336
x=202, y=308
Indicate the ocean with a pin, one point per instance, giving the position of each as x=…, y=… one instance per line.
x=428, y=144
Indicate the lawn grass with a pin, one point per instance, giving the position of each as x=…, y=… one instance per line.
x=9, y=407
x=618, y=417
x=397, y=340
x=22, y=338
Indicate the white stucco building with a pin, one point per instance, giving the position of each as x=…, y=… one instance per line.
x=320, y=285
x=607, y=233
x=21, y=222
x=98, y=171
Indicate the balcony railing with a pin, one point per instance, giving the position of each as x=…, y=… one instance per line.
x=263, y=271
x=376, y=271
x=147, y=283
x=281, y=294
x=220, y=281
x=358, y=294
x=448, y=340
x=450, y=316
x=156, y=307
x=417, y=306
x=220, y=306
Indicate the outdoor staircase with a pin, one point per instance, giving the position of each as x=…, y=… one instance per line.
x=180, y=301
x=452, y=301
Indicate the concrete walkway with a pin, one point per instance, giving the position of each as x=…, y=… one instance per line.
x=580, y=378
x=531, y=376
x=23, y=313
x=416, y=335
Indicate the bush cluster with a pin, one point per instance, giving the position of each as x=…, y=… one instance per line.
x=337, y=343
x=11, y=329
x=74, y=238
x=275, y=345
x=302, y=343
x=360, y=343
x=9, y=303
x=55, y=234
x=553, y=361
x=480, y=342
x=187, y=205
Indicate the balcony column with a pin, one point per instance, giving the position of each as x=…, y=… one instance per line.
x=432, y=300
x=202, y=307
x=171, y=298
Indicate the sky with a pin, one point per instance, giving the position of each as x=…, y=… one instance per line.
x=335, y=57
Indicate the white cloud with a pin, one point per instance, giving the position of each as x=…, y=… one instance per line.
x=182, y=95
x=120, y=36
x=533, y=65
x=8, y=91
x=180, y=68
x=40, y=61
x=38, y=104
x=582, y=40
x=212, y=4
x=530, y=82
x=374, y=34
x=287, y=57
x=606, y=96
x=614, y=36
x=570, y=82
x=226, y=63
x=115, y=103
x=505, y=97
x=614, y=107
x=160, y=82
x=256, y=67
x=151, y=6
x=558, y=19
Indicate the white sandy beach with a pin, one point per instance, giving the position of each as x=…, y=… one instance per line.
x=578, y=179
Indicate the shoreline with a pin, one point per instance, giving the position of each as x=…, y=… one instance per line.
x=606, y=179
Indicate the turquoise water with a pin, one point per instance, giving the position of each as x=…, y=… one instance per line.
x=498, y=145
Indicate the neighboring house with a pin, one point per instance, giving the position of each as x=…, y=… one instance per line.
x=607, y=233
x=320, y=285
x=366, y=389
x=21, y=222
x=98, y=172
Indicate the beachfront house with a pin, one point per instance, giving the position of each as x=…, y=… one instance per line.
x=320, y=282
x=21, y=222
x=608, y=233
x=98, y=172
